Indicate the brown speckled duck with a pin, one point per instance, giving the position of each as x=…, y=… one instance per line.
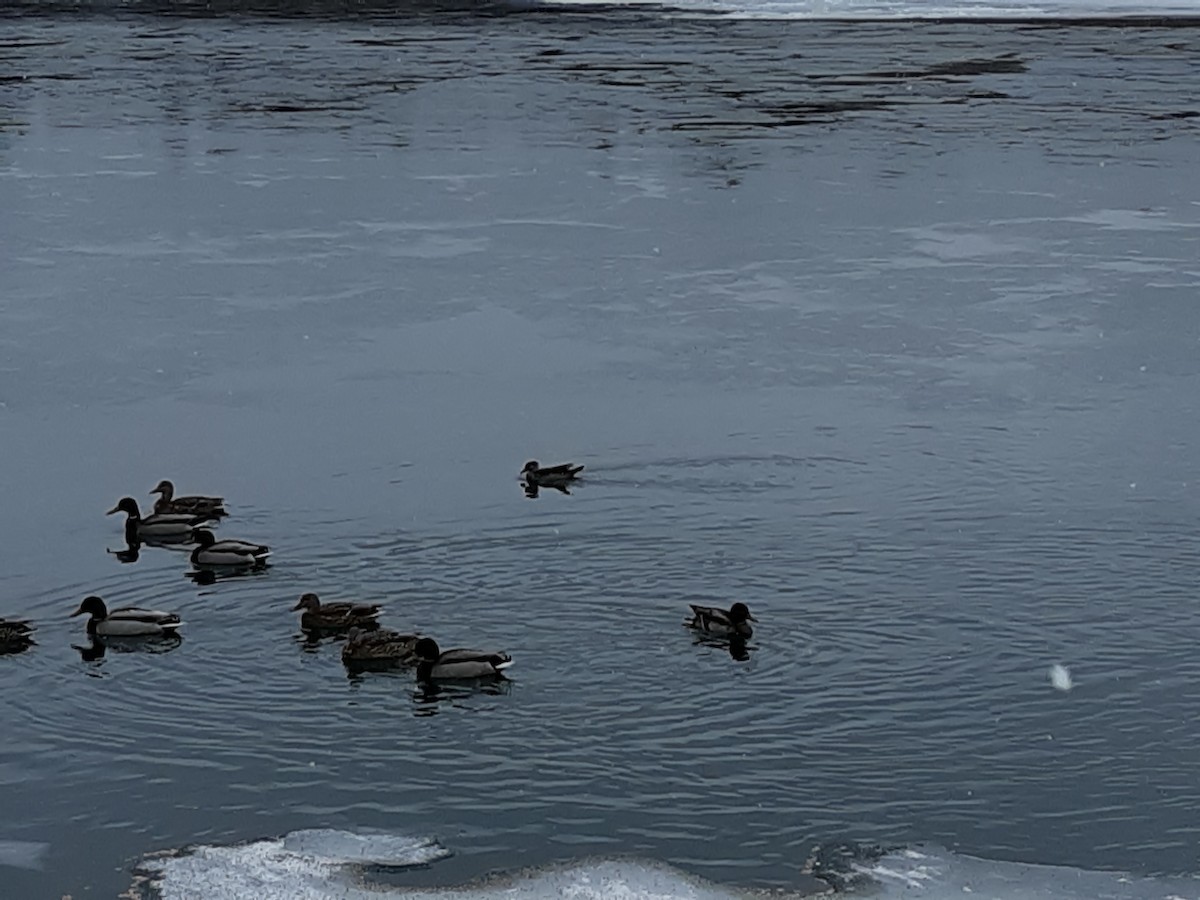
x=318, y=616
x=379, y=646
x=15, y=636
x=167, y=502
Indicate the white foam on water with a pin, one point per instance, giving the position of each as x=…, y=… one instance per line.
x=22, y=854
x=936, y=874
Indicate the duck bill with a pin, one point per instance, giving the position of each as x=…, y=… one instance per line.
x=78, y=612
x=115, y=509
x=298, y=606
x=750, y=618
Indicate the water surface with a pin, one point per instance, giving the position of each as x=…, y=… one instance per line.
x=887, y=330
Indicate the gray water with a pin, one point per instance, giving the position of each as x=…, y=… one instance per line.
x=888, y=330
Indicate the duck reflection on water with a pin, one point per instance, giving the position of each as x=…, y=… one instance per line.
x=430, y=697
x=99, y=645
x=132, y=550
x=532, y=489
x=736, y=645
x=210, y=576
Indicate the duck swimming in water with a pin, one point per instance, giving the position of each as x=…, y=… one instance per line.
x=156, y=526
x=128, y=621
x=195, y=505
x=211, y=552
x=318, y=616
x=734, y=622
x=550, y=476
x=379, y=646
x=460, y=663
x=16, y=635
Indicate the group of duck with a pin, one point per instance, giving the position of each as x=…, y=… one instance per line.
x=189, y=519
x=181, y=520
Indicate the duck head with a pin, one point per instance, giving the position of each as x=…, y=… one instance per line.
x=427, y=649
x=203, y=537
x=166, y=489
x=92, y=606
x=739, y=613
x=530, y=467
x=309, y=603
x=128, y=506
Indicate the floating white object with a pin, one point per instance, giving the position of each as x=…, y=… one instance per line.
x=1060, y=677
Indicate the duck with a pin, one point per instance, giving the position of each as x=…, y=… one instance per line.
x=211, y=552
x=734, y=622
x=435, y=663
x=381, y=645
x=196, y=504
x=15, y=635
x=318, y=616
x=128, y=621
x=550, y=476
x=161, y=526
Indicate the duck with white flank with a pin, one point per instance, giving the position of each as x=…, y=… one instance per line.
x=318, y=616
x=157, y=526
x=435, y=664
x=195, y=505
x=550, y=476
x=211, y=552
x=379, y=646
x=128, y=621
x=734, y=622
